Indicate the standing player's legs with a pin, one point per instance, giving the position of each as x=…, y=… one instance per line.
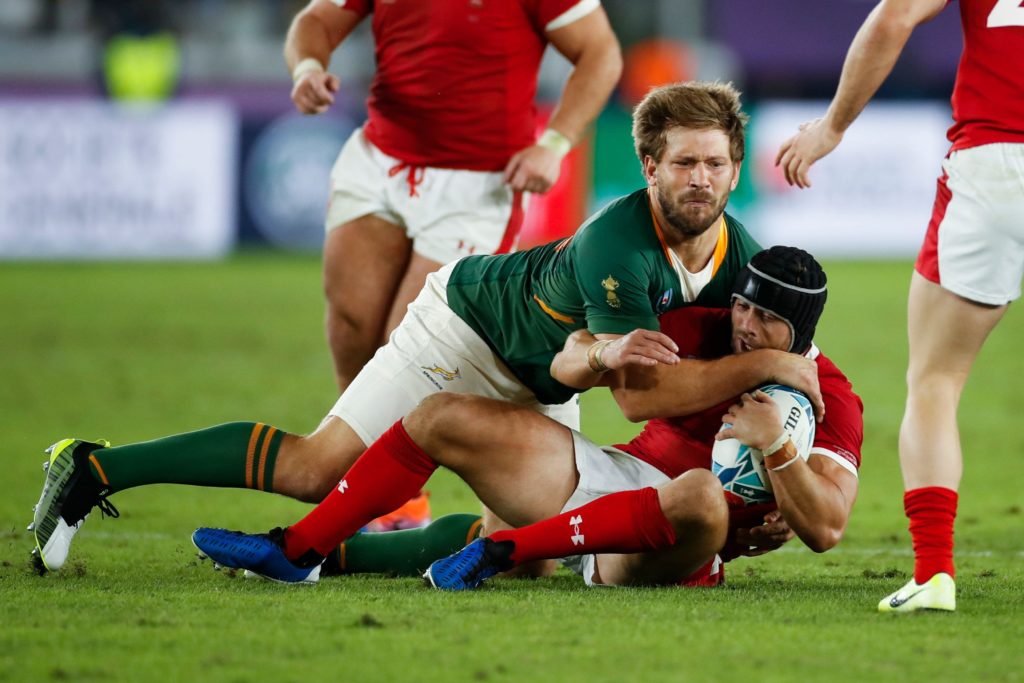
x=968, y=270
x=365, y=265
x=945, y=333
x=416, y=271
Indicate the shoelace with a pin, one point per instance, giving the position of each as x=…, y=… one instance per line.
x=414, y=177
x=107, y=508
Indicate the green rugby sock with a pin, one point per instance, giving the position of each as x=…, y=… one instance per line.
x=233, y=455
x=402, y=553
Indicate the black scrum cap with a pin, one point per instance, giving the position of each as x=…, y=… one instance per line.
x=788, y=283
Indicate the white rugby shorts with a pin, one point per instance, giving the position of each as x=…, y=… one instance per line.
x=433, y=350
x=604, y=470
x=446, y=213
x=974, y=246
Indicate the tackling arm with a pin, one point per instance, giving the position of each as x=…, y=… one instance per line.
x=693, y=385
x=586, y=360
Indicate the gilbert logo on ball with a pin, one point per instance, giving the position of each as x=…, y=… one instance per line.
x=741, y=468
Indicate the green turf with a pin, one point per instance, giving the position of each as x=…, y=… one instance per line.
x=130, y=352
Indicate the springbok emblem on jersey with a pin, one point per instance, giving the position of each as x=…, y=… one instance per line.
x=446, y=375
x=610, y=284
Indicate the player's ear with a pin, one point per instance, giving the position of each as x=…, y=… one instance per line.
x=735, y=175
x=650, y=166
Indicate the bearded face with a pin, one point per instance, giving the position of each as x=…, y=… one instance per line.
x=693, y=180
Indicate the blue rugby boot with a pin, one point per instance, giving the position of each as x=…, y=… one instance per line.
x=259, y=554
x=471, y=566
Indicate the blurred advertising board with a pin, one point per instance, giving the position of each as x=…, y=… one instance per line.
x=82, y=179
x=872, y=197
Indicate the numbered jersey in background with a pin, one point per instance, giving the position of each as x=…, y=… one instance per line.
x=988, y=99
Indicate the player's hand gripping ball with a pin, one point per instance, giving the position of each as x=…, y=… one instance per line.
x=741, y=468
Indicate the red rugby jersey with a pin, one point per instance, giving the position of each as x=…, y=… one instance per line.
x=678, y=444
x=456, y=79
x=988, y=98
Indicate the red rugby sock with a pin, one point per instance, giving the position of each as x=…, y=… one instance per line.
x=390, y=472
x=931, y=511
x=626, y=522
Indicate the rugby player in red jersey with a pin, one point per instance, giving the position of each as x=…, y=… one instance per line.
x=970, y=266
x=439, y=169
x=449, y=144
x=647, y=512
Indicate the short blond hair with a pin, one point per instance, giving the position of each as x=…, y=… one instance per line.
x=694, y=104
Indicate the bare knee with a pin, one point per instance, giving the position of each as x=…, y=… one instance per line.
x=937, y=386
x=695, y=506
x=442, y=425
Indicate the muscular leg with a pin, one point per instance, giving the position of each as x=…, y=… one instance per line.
x=519, y=463
x=945, y=334
x=364, y=263
x=696, y=508
x=525, y=452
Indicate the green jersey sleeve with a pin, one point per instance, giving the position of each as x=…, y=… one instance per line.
x=614, y=276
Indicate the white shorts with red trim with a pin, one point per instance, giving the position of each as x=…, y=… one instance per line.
x=974, y=246
x=433, y=350
x=446, y=213
x=604, y=470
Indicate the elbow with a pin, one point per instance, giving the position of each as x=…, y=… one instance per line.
x=631, y=408
x=895, y=22
x=614, y=63
x=603, y=62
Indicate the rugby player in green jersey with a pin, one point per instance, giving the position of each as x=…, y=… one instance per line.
x=490, y=326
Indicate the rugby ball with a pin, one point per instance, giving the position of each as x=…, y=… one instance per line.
x=741, y=468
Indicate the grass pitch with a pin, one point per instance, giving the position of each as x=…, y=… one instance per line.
x=131, y=352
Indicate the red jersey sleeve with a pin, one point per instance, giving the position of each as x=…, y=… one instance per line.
x=841, y=434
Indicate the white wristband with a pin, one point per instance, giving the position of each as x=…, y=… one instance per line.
x=306, y=66
x=776, y=445
x=555, y=141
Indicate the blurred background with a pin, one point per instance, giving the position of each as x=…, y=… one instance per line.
x=164, y=130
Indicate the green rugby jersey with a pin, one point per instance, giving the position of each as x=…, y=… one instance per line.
x=613, y=276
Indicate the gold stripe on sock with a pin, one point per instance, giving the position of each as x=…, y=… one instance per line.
x=341, y=557
x=262, y=463
x=99, y=470
x=253, y=438
x=474, y=529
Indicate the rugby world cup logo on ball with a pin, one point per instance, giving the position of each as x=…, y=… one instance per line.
x=741, y=468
